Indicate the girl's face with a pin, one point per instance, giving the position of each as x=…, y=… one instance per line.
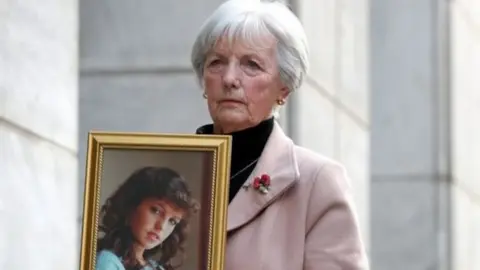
x=153, y=221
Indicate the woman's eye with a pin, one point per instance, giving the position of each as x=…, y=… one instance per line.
x=156, y=210
x=173, y=222
x=252, y=64
x=214, y=62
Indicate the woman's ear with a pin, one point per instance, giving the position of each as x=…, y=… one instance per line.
x=284, y=92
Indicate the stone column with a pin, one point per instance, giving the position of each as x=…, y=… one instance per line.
x=330, y=113
x=38, y=134
x=410, y=202
x=465, y=133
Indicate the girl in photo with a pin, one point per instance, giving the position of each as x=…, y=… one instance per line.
x=144, y=224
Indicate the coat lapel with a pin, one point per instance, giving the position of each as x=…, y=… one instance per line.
x=278, y=161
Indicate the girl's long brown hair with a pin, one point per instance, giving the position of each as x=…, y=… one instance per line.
x=147, y=182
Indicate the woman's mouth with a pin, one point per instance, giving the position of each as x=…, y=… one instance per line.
x=231, y=101
x=153, y=236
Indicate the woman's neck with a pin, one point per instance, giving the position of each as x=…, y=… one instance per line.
x=222, y=128
x=138, y=251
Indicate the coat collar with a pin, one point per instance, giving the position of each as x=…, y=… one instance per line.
x=279, y=162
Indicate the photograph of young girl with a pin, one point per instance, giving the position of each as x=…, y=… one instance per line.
x=144, y=223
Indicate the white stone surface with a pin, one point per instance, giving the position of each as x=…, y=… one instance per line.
x=466, y=229
x=337, y=34
x=465, y=78
x=142, y=103
x=353, y=152
x=402, y=87
x=39, y=53
x=316, y=121
x=465, y=60
x=471, y=11
x=38, y=135
x=475, y=233
x=319, y=20
x=38, y=194
x=461, y=254
x=403, y=230
x=353, y=68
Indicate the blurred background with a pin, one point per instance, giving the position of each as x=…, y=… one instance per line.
x=393, y=93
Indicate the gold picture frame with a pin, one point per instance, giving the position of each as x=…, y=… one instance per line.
x=113, y=155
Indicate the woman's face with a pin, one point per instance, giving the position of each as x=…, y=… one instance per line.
x=153, y=221
x=242, y=83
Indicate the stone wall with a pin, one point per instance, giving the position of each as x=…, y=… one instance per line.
x=38, y=134
x=425, y=136
x=465, y=132
x=410, y=147
x=330, y=114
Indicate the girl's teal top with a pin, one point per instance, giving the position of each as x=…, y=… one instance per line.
x=107, y=260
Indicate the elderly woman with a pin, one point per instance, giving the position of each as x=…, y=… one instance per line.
x=290, y=208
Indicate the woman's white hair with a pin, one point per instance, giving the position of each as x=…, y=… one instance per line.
x=249, y=21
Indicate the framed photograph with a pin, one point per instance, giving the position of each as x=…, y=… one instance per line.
x=155, y=201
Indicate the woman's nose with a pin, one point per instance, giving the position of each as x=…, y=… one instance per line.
x=231, y=76
x=159, y=225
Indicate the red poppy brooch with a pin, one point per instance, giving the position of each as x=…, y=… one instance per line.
x=262, y=183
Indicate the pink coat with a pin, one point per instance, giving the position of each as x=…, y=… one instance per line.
x=307, y=220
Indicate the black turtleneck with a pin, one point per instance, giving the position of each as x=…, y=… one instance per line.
x=247, y=146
